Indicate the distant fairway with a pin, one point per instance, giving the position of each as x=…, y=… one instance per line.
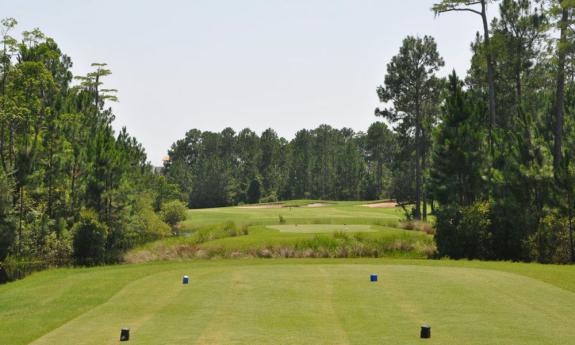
x=297, y=212
x=321, y=228
x=293, y=302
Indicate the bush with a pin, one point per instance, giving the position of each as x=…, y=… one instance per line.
x=89, y=239
x=147, y=226
x=550, y=243
x=465, y=232
x=174, y=212
x=272, y=197
x=7, y=236
x=57, y=248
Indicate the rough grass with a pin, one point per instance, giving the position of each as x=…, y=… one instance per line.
x=293, y=302
x=266, y=242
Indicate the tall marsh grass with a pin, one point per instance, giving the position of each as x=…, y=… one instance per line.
x=336, y=245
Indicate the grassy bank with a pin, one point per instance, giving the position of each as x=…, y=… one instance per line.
x=297, y=229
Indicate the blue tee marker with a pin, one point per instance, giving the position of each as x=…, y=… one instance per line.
x=186, y=280
x=373, y=278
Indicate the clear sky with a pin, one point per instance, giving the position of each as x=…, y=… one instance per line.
x=211, y=64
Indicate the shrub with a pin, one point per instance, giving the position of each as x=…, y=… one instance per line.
x=7, y=236
x=269, y=198
x=174, y=212
x=550, y=243
x=57, y=248
x=147, y=226
x=89, y=239
x=465, y=232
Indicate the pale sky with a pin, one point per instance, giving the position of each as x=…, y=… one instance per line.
x=211, y=64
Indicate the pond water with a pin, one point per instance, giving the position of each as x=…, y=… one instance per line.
x=14, y=271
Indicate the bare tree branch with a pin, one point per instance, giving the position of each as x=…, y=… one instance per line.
x=460, y=10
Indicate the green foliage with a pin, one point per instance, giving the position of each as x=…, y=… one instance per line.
x=465, y=232
x=269, y=198
x=174, y=212
x=253, y=194
x=413, y=91
x=7, y=222
x=459, y=156
x=89, y=239
x=145, y=225
x=59, y=154
x=7, y=237
x=222, y=169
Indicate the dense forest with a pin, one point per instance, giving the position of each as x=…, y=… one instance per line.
x=70, y=187
x=229, y=168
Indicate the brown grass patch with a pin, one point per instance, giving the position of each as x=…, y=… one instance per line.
x=418, y=226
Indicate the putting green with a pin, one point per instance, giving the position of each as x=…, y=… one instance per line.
x=321, y=228
x=286, y=302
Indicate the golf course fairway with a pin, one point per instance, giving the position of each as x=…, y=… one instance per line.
x=291, y=301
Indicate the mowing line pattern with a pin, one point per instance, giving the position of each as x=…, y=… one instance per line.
x=299, y=302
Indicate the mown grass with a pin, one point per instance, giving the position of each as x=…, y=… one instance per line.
x=294, y=301
x=341, y=212
x=322, y=228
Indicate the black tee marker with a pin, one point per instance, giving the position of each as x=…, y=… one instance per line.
x=425, y=332
x=125, y=334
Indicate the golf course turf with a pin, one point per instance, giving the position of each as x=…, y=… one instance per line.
x=252, y=300
x=260, y=301
x=322, y=228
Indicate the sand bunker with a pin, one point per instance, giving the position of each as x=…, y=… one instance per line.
x=281, y=205
x=317, y=204
x=389, y=204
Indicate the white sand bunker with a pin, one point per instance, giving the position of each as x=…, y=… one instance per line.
x=317, y=204
x=282, y=205
x=388, y=204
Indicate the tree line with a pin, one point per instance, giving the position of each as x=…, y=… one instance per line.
x=227, y=168
x=71, y=188
x=493, y=151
